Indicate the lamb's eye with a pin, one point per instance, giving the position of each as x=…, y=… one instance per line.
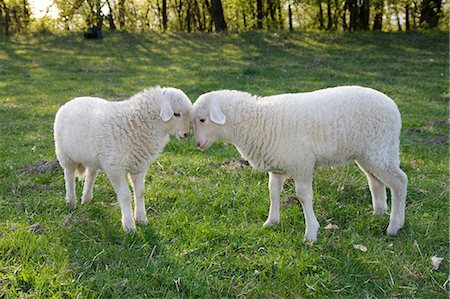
x=202, y=120
x=177, y=114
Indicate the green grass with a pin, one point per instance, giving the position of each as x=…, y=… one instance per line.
x=205, y=237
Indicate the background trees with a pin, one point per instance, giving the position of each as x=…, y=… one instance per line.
x=14, y=16
x=234, y=15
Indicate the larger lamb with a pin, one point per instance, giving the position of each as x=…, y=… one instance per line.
x=121, y=138
x=289, y=134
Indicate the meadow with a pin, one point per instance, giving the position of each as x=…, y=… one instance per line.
x=206, y=209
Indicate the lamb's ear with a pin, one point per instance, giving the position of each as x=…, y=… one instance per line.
x=216, y=115
x=166, y=111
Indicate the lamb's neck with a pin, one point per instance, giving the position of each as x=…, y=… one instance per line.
x=248, y=134
x=142, y=125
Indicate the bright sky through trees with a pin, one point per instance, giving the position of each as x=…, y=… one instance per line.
x=39, y=8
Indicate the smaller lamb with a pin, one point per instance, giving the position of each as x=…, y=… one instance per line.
x=121, y=138
x=289, y=134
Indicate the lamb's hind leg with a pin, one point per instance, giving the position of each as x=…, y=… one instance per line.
x=69, y=178
x=303, y=186
x=91, y=175
x=396, y=179
x=378, y=191
x=119, y=182
x=138, y=181
x=275, y=186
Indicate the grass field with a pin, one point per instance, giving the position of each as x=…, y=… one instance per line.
x=205, y=238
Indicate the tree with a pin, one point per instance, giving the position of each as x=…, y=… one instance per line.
x=429, y=13
x=217, y=14
x=164, y=14
x=14, y=16
x=359, y=14
x=259, y=14
x=378, y=18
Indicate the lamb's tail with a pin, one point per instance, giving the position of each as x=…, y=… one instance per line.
x=80, y=171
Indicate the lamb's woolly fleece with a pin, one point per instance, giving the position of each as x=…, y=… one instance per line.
x=118, y=137
x=291, y=133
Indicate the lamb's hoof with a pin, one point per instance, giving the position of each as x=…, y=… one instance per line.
x=310, y=237
x=142, y=221
x=380, y=210
x=86, y=200
x=72, y=204
x=392, y=230
x=311, y=232
x=129, y=228
x=270, y=223
x=394, y=227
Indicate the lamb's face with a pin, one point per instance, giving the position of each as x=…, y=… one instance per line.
x=208, y=121
x=177, y=112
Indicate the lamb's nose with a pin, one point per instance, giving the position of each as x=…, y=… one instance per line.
x=198, y=144
x=185, y=135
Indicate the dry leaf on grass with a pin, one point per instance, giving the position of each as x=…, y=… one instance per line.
x=360, y=247
x=331, y=226
x=436, y=262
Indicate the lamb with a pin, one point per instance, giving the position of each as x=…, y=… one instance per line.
x=120, y=138
x=289, y=134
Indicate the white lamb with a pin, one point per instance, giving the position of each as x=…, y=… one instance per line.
x=121, y=138
x=289, y=134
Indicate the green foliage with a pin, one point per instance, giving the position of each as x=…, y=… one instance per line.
x=205, y=238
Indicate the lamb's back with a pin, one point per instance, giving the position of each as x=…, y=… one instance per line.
x=334, y=125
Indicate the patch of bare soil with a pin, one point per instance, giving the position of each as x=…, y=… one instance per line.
x=42, y=167
x=439, y=122
x=439, y=139
x=36, y=228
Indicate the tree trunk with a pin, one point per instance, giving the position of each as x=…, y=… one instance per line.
x=1, y=21
x=188, y=19
x=321, y=25
x=365, y=14
x=407, y=26
x=415, y=16
x=122, y=14
x=329, y=16
x=271, y=11
x=259, y=14
x=291, y=28
x=378, y=18
x=7, y=19
x=2, y=8
x=26, y=14
x=198, y=17
x=219, y=19
x=98, y=15
x=359, y=14
x=344, y=17
x=164, y=14
x=112, y=25
x=429, y=13
x=280, y=15
x=179, y=10
x=399, y=25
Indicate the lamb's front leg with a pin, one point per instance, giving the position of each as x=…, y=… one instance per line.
x=303, y=186
x=119, y=182
x=138, y=181
x=276, y=182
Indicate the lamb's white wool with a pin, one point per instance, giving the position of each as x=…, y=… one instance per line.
x=289, y=134
x=121, y=138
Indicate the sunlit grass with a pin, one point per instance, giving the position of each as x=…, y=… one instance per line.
x=205, y=238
